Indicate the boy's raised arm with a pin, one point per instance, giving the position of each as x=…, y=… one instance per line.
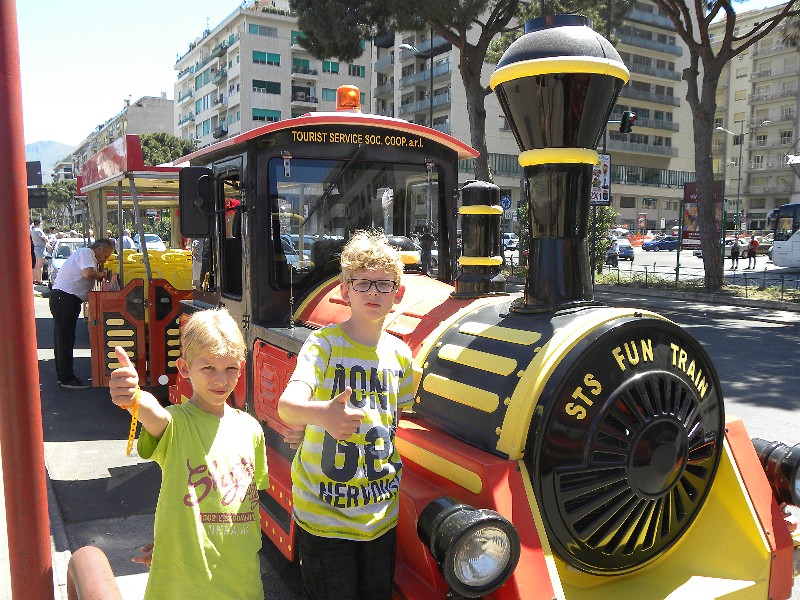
x=334, y=416
x=124, y=384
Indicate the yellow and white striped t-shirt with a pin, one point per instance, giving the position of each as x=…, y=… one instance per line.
x=348, y=489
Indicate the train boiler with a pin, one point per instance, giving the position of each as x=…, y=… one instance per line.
x=557, y=448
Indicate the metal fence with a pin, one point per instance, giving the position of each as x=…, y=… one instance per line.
x=779, y=285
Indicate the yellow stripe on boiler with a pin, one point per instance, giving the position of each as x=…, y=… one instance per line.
x=500, y=365
x=461, y=392
x=547, y=156
x=111, y=321
x=501, y=334
x=480, y=261
x=481, y=209
x=436, y=464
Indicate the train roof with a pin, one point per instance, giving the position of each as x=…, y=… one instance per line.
x=338, y=118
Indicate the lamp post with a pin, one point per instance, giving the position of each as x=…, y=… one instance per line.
x=737, y=218
x=430, y=117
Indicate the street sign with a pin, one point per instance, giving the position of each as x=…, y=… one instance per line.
x=505, y=202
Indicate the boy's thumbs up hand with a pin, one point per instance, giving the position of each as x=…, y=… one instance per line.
x=341, y=420
x=124, y=381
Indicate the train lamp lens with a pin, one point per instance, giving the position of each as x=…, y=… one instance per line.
x=782, y=466
x=477, y=549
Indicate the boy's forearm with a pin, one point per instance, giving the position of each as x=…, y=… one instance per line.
x=294, y=405
x=153, y=417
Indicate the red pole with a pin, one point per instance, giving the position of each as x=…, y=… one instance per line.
x=20, y=406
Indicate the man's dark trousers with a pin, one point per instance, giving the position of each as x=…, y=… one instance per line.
x=66, y=309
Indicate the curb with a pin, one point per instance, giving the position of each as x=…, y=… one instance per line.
x=59, y=544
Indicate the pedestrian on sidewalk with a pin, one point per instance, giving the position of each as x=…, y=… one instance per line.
x=752, y=246
x=213, y=462
x=75, y=279
x=39, y=246
x=735, y=253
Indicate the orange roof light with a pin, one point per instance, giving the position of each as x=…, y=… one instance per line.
x=348, y=97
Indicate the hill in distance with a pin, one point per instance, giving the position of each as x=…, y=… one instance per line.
x=48, y=153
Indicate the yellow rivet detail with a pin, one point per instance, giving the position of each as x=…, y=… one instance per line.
x=425, y=365
x=438, y=344
x=497, y=431
x=507, y=401
x=520, y=373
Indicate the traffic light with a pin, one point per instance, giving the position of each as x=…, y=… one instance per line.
x=627, y=122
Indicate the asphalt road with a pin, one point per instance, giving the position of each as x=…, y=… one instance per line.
x=107, y=499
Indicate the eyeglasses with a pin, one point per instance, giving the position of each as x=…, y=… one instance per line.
x=384, y=286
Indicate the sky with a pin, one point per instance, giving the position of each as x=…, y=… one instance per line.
x=82, y=59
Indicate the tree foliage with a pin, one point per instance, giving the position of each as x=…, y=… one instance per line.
x=707, y=59
x=159, y=148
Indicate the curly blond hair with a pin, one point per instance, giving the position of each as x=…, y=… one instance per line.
x=370, y=250
x=213, y=331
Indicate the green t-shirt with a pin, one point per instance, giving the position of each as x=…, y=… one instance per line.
x=207, y=525
x=348, y=489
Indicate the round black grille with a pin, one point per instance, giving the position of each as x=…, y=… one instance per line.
x=620, y=485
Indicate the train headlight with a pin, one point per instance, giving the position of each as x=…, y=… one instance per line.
x=477, y=549
x=782, y=466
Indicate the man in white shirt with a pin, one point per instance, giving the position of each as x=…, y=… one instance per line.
x=39, y=247
x=75, y=279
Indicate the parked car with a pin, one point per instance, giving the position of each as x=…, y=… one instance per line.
x=409, y=252
x=292, y=255
x=625, y=249
x=434, y=256
x=668, y=242
x=510, y=241
x=62, y=250
x=728, y=246
x=152, y=241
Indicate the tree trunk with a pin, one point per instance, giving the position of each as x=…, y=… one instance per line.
x=710, y=233
x=470, y=66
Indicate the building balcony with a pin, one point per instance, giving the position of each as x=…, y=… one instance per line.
x=772, y=96
x=637, y=148
x=774, y=165
x=301, y=99
x=387, y=89
x=220, y=76
x=385, y=112
x=443, y=127
x=304, y=74
x=627, y=92
x=655, y=72
x=185, y=119
x=384, y=63
x=776, y=49
x=220, y=49
x=650, y=123
x=425, y=49
x=424, y=105
x=641, y=16
x=771, y=73
x=184, y=72
x=220, y=132
x=639, y=42
x=221, y=101
x=185, y=96
x=425, y=76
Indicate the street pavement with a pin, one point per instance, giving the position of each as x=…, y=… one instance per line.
x=99, y=496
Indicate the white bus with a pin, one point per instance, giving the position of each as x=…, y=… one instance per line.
x=785, y=225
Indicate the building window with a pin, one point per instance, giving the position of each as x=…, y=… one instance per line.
x=329, y=94
x=740, y=95
x=273, y=59
x=262, y=30
x=356, y=70
x=297, y=36
x=266, y=87
x=198, y=106
x=649, y=203
x=301, y=65
x=330, y=66
x=786, y=136
x=627, y=202
x=260, y=58
x=262, y=114
x=206, y=126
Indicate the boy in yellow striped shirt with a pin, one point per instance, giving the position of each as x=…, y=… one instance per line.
x=350, y=384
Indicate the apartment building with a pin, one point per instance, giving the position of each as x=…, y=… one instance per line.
x=250, y=70
x=756, y=125
x=148, y=114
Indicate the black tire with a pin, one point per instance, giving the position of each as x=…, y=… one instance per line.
x=656, y=249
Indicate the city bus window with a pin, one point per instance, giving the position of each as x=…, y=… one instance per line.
x=231, y=227
x=318, y=204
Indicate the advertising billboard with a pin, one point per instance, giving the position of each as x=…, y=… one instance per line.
x=690, y=218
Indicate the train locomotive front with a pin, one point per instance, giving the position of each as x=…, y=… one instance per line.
x=557, y=448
